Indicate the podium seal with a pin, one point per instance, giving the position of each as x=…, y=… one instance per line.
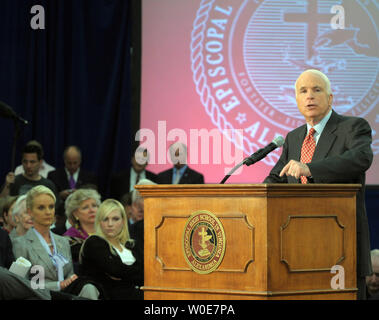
x=203, y=242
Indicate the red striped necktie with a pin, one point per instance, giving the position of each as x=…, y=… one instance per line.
x=307, y=150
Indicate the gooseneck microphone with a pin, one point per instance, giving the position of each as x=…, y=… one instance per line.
x=261, y=153
x=256, y=156
x=7, y=112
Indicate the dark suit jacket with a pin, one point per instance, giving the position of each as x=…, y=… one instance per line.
x=189, y=177
x=101, y=265
x=59, y=177
x=342, y=155
x=120, y=183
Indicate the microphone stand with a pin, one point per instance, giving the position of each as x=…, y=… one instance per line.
x=232, y=171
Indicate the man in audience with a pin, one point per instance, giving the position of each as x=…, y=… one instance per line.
x=180, y=173
x=126, y=201
x=22, y=183
x=124, y=181
x=44, y=168
x=372, y=281
x=71, y=176
x=68, y=179
x=137, y=212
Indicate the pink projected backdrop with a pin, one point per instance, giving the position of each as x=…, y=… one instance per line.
x=213, y=66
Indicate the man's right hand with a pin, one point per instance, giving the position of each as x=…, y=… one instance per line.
x=9, y=179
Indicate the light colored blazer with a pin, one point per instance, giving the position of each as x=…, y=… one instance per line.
x=30, y=247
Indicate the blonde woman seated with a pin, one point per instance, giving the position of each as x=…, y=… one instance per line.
x=21, y=218
x=81, y=207
x=109, y=257
x=48, y=250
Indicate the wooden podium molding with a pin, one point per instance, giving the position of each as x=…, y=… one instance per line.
x=281, y=241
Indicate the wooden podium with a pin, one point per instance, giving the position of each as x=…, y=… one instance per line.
x=281, y=241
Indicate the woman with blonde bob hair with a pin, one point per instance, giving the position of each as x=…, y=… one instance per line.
x=109, y=257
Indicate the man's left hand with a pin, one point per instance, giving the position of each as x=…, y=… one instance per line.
x=295, y=169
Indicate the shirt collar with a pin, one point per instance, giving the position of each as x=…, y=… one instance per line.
x=181, y=170
x=321, y=125
x=75, y=175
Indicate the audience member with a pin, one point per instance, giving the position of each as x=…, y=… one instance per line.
x=136, y=209
x=22, y=183
x=6, y=253
x=124, y=181
x=137, y=212
x=126, y=201
x=6, y=213
x=68, y=179
x=81, y=207
x=14, y=287
x=44, y=168
x=71, y=176
x=109, y=257
x=180, y=173
x=43, y=248
x=21, y=218
x=372, y=281
x=136, y=222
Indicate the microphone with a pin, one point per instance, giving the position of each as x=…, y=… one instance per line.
x=7, y=112
x=261, y=153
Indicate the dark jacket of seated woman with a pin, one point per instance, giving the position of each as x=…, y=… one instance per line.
x=119, y=280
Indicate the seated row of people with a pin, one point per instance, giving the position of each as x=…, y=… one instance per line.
x=63, y=181
x=180, y=173
x=96, y=257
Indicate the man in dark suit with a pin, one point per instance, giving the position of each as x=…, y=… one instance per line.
x=71, y=176
x=342, y=154
x=67, y=180
x=180, y=173
x=124, y=181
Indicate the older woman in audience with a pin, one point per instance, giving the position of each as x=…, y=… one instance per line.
x=81, y=207
x=109, y=257
x=21, y=218
x=6, y=213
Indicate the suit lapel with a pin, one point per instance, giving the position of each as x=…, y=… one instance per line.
x=184, y=179
x=299, y=143
x=63, y=178
x=170, y=173
x=326, y=139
